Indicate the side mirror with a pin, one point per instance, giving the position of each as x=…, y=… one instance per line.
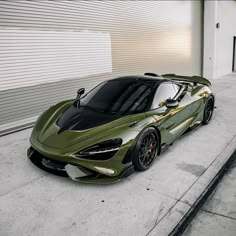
x=80, y=92
x=171, y=103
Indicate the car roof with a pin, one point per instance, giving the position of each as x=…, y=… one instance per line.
x=143, y=78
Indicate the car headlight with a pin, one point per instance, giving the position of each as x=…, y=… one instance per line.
x=100, y=151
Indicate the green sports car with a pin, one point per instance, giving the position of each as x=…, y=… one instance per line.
x=120, y=126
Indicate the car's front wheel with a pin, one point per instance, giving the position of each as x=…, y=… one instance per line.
x=146, y=149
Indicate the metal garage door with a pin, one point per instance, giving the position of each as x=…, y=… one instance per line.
x=49, y=49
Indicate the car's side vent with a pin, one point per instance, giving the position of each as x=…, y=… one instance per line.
x=151, y=74
x=128, y=156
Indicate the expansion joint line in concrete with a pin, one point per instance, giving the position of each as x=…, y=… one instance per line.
x=207, y=167
x=157, y=222
x=214, y=213
x=33, y=180
x=195, y=207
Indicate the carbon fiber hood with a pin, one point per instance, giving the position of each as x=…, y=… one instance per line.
x=82, y=119
x=64, y=126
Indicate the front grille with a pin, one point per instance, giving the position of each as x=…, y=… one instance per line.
x=47, y=164
x=56, y=167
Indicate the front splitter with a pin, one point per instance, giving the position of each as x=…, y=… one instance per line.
x=76, y=173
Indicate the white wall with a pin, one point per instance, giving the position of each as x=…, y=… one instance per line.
x=218, y=42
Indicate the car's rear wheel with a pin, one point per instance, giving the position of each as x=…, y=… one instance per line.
x=208, y=111
x=146, y=149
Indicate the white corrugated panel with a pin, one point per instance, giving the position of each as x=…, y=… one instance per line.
x=44, y=56
x=49, y=49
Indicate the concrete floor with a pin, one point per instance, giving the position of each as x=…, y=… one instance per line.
x=218, y=215
x=33, y=202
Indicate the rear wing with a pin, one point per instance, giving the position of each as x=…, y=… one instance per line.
x=194, y=79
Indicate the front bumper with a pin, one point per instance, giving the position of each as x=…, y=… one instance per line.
x=75, y=172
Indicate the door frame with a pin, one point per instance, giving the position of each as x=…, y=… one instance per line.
x=234, y=56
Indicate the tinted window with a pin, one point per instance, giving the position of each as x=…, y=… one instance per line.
x=115, y=96
x=165, y=91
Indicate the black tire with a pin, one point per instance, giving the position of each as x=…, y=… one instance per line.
x=146, y=150
x=208, y=110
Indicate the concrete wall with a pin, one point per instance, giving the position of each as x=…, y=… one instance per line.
x=218, y=42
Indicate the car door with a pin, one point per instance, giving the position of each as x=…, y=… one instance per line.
x=171, y=122
x=197, y=95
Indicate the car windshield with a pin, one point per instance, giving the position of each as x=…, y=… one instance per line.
x=118, y=96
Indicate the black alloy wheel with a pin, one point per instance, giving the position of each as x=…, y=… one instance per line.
x=146, y=149
x=208, y=112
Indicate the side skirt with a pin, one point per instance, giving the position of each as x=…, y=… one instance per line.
x=193, y=127
x=164, y=147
